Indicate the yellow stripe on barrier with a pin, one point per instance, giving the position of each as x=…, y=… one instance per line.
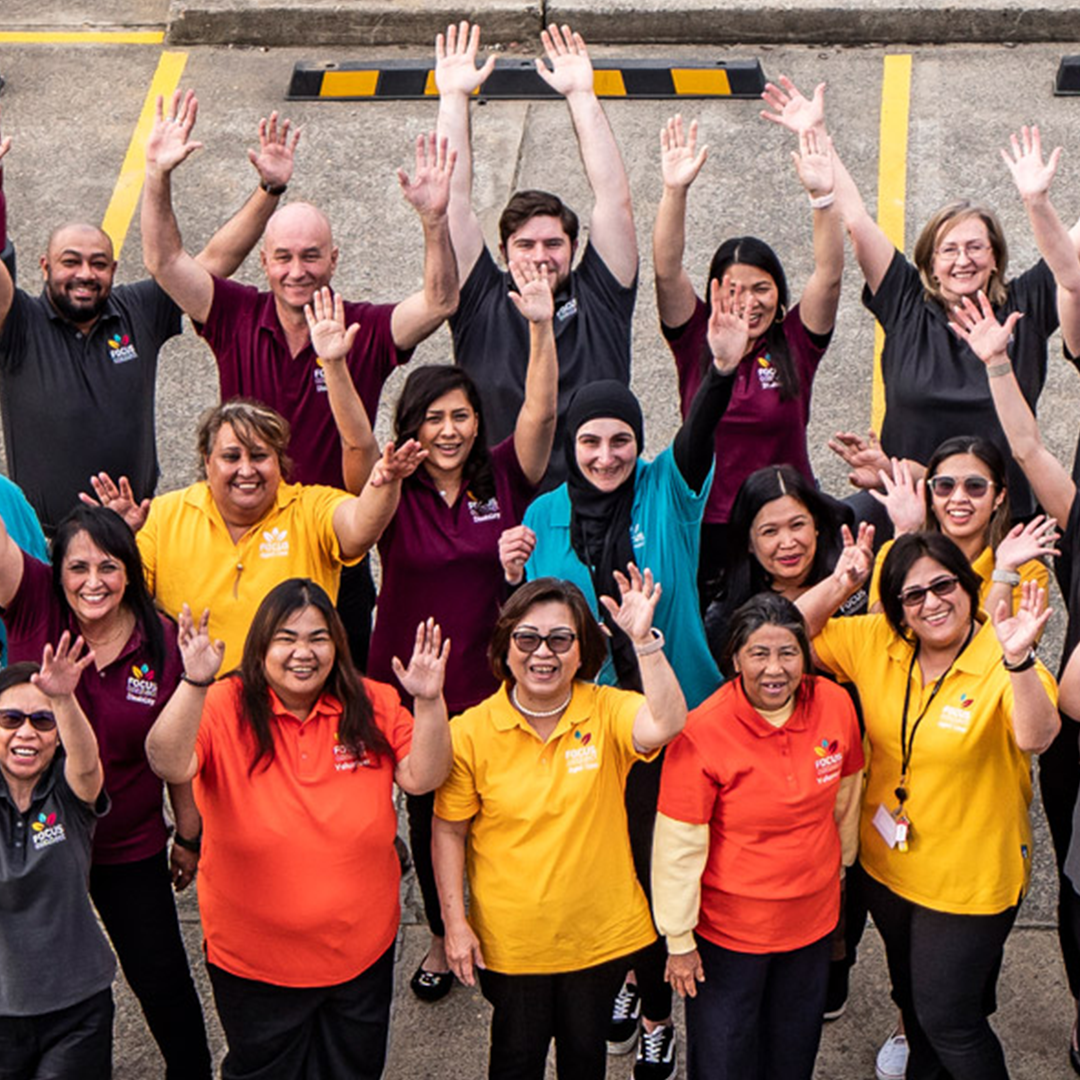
x=82, y=37
x=892, y=187
x=609, y=83
x=129, y=183
x=700, y=81
x=349, y=84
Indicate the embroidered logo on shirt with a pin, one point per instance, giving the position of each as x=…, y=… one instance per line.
x=488, y=510
x=141, y=685
x=829, y=760
x=583, y=756
x=957, y=718
x=275, y=544
x=121, y=350
x=46, y=831
x=637, y=537
x=320, y=377
x=568, y=310
x=345, y=759
x=767, y=375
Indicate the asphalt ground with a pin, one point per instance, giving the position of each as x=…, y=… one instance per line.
x=73, y=107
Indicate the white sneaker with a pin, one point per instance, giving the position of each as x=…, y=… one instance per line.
x=892, y=1058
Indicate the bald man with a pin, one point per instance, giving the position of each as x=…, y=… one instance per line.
x=78, y=364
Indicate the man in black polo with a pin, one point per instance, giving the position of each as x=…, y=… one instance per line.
x=78, y=363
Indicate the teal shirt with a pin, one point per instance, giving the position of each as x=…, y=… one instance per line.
x=665, y=530
x=23, y=527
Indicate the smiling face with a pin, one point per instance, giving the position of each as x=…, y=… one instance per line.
x=542, y=241
x=93, y=580
x=964, y=259
x=941, y=623
x=760, y=294
x=783, y=539
x=771, y=666
x=244, y=481
x=964, y=517
x=606, y=452
x=78, y=271
x=448, y=433
x=299, y=658
x=544, y=678
x=298, y=255
x=25, y=753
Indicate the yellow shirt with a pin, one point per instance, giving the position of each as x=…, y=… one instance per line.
x=189, y=556
x=970, y=785
x=983, y=565
x=551, y=877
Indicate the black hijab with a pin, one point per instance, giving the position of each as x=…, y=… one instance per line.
x=600, y=520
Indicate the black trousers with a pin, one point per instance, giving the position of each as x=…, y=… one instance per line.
x=420, y=810
x=355, y=604
x=305, y=1033
x=757, y=1016
x=944, y=970
x=69, y=1044
x=136, y=904
x=572, y=1007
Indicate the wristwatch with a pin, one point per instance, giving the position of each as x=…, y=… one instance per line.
x=1006, y=577
x=273, y=189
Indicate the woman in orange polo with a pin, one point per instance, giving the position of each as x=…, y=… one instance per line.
x=294, y=758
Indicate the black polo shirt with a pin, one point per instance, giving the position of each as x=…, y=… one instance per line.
x=593, y=320
x=52, y=952
x=75, y=404
x=935, y=386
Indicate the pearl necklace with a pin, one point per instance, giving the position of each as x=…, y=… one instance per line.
x=543, y=715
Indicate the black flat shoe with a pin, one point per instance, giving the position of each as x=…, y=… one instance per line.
x=431, y=985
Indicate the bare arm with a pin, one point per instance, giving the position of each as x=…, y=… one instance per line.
x=428, y=193
x=457, y=78
x=184, y=863
x=11, y=566
x=1069, y=687
x=611, y=227
x=448, y=858
x=820, y=603
x=680, y=163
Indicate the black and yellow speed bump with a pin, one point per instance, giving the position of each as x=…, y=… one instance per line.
x=512, y=79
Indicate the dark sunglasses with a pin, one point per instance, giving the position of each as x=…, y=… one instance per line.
x=974, y=486
x=13, y=719
x=914, y=596
x=558, y=641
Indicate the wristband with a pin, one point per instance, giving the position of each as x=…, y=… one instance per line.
x=1006, y=577
x=822, y=202
x=273, y=189
x=200, y=683
x=653, y=646
x=997, y=370
x=194, y=846
x=1021, y=665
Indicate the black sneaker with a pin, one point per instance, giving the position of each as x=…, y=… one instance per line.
x=625, y=1017
x=656, y=1057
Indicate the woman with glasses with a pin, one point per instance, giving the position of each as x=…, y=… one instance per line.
x=955, y=703
x=535, y=798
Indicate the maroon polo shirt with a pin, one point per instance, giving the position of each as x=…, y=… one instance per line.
x=254, y=360
x=121, y=701
x=443, y=561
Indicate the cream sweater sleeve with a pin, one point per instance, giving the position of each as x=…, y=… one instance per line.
x=680, y=851
x=846, y=815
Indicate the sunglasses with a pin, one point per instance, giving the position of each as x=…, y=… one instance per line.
x=13, y=719
x=558, y=641
x=974, y=486
x=915, y=596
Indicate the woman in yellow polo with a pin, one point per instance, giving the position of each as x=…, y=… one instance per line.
x=954, y=706
x=536, y=800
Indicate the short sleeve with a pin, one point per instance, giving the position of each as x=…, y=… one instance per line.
x=391, y=717
x=147, y=540
x=618, y=298
x=838, y=645
x=1034, y=292
x=220, y=706
x=458, y=798
x=900, y=290
x=149, y=305
x=483, y=277
x=1049, y=685
x=620, y=709
x=13, y=332
x=320, y=504
x=232, y=303
x=684, y=503
x=688, y=792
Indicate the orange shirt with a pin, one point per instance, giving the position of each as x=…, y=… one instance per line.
x=299, y=880
x=772, y=880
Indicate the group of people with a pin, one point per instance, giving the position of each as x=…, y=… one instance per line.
x=667, y=723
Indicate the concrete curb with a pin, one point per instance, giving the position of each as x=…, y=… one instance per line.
x=616, y=22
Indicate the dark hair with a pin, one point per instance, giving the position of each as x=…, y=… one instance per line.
x=110, y=533
x=525, y=205
x=989, y=454
x=591, y=640
x=357, y=730
x=950, y=215
x=903, y=555
x=426, y=385
x=750, y=251
x=250, y=420
x=17, y=674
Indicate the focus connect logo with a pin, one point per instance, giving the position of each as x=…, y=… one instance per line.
x=766, y=373
x=121, y=350
x=46, y=830
x=583, y=755
x=142, y=685
x=829, y=760
x=275, y=544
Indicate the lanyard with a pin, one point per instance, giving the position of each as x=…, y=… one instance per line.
x=906, y=744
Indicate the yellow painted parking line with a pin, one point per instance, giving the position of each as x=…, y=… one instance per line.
x=892, y=186
x=82, y=37
x=129, y=183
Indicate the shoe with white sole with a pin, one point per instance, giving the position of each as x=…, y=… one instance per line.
x=656, y=1058
x=625, y=1020
x=892, y=1058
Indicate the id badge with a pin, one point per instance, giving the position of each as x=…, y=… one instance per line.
x=893, y=830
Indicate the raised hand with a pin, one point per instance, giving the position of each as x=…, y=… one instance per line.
x=428, y=192
x=274, y=159
x=455, y=60
x=814, y=163
x=61, y=667
x=729, y=325
x=534, y=298
x=978, y=326
x=202, y=656
x=1018, y=633
x=1031, y=175
x=639, y=596
x=680, y=159
x=904, y=498
x=1023, y=543
x=424, y=677
x=863, y=456
x=120, y=499
x=170, y=137
x=396, y=464
x=684, y=971
x=516, y=546
x=791, y=109
x=571, y=69
x=856, y=560
x=326, y=323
